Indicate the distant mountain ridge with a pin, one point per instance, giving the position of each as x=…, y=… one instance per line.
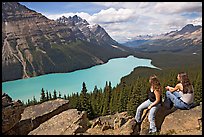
x=33, y=45
x=188, y=36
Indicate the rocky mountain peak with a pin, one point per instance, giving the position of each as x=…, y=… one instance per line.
x=12, y=11
x=189, y=28
x=74, y=21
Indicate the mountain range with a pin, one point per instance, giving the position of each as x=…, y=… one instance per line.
x=33, y=45
x=189, y=37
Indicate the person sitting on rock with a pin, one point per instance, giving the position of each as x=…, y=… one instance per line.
x=152, y=104
x=182, y=95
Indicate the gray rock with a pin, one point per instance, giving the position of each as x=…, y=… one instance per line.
x=35, y=115
x=11, y=113
x=69, y=122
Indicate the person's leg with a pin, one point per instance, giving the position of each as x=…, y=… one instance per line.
x=140, y=109
x=177, y=94
x=178, y=103
x=151, y=118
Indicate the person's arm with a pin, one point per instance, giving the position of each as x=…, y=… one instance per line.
x=172, y=89
x=157, y=95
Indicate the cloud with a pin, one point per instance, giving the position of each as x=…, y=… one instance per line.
x=197, y=21
x=178, y=7
x=112, y=15
x=126, y=20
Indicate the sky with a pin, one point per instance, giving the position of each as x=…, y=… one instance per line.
x=124, y=21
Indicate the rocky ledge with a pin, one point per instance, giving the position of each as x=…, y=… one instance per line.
x=11, y=112
x=33, y=116
x=56, y=118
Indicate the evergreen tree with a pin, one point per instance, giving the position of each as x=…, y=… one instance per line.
x=47, y=96
x=74, y=101
x=28, y=103
x=42, y=98
x=198, y=89
x=94, y=101
x=65, y=97
x=123, y=98
x=50, y=96
x=85, y=103
x=55, y=94
x=59, y=95
x=113, y=101
x=34, y=101
x=107, y=95
x=134, y=101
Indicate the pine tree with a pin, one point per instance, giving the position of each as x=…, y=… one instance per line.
x=28, y=103
x=65, y=97
x=135, y=99
x=34, y=101
x=198, y=89
x=55, y=94
x=50, y=96
x=42, y=98
x=85, y=103
x=123, y=98
x=74, y=101
x=47, y=96
x=59, y=95
x=94, y=101
x=107, y=95
x=113, y=101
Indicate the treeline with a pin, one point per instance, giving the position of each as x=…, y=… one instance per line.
x=127, y=95
x=45, y=96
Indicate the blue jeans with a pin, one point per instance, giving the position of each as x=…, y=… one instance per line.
x=152, y=113
x=174, y=97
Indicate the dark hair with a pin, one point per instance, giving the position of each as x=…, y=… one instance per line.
x=187, y=86
x=154, y=81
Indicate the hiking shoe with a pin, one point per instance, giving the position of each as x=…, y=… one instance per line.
x=153, y=133
x=138, y=126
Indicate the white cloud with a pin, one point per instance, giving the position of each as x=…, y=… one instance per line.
x=197, y=21
x=126, y=20
x=112, y=15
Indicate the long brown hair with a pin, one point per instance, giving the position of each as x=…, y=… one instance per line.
x=187, y=86
x=154, y=81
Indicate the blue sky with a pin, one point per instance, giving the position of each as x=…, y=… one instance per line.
x=63, y=7
x=126, y=20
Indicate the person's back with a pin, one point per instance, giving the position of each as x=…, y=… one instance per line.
x=187, y=97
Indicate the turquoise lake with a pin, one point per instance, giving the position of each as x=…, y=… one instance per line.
x=71, y=82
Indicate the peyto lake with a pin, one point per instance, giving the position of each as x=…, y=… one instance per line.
x=71, y=82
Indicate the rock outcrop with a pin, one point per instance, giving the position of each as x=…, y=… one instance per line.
x=69, y=122
x=118, y=124
x=35, y=115
x=11, y=112
x=176, y=121
x=56, y=118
